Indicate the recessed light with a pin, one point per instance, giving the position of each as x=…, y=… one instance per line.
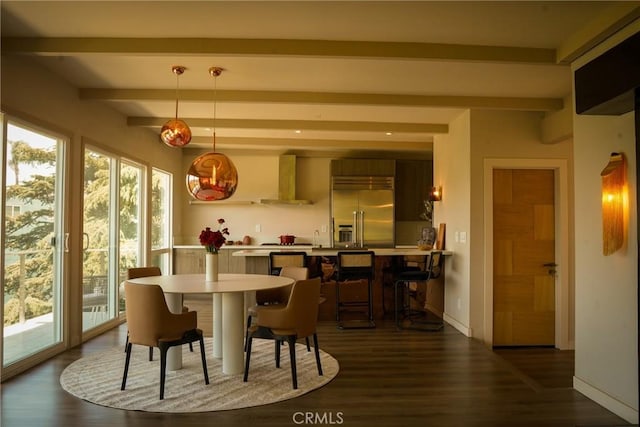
x=388, y=133
x=297, y=131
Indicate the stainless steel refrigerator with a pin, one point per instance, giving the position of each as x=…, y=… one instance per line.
x=362, y=211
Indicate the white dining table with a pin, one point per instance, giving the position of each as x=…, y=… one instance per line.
x=228, y=309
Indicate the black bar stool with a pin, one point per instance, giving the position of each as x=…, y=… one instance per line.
x=351, y=266
x=404, y=278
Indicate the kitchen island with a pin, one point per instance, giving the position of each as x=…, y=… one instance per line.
x=321, y=263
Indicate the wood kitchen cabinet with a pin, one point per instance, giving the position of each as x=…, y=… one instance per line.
x=414, y=178
x=191, y=260
x=363, y=167
x=188, y=261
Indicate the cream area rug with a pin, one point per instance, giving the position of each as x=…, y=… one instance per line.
x=97, y=378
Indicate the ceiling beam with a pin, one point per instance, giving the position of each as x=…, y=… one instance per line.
x=276, y=47
x=335, y=98
x=324, y=125
x=322, y=144
x=594, y=32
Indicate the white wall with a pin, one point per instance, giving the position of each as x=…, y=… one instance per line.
x=459, y=163
x=258, y=179
x=452, y=171
x=606, y=361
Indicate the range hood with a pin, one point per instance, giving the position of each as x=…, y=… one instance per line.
x=286, y=183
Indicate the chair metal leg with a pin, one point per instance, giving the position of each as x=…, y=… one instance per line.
x=247, y=359
x=150, y=354
x=126, y=365
x=317, y=351
x=204, y=361
x=395, y=303
x=292, y=355
x=277, y=348
x=163, y=369
x=307, y=341
x=246, y=334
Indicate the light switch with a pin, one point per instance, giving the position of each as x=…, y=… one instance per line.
x=463, y=237
x=323, y=228
x=258, y=228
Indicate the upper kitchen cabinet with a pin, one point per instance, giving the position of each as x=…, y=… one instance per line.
x=414, y=178
x=363, y=167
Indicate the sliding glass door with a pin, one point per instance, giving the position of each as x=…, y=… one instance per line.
x=32, y=240
x=113, y=232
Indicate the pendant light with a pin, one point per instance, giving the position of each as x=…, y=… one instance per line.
x=175, y=132
x=212, y=176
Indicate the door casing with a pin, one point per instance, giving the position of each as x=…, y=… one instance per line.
x=563, y=337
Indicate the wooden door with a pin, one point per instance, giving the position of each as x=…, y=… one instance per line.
x=523, y=242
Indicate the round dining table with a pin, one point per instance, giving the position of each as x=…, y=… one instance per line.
x=228, y=309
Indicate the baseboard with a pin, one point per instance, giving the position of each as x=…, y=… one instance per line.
x=617, y=407
x=459, y=326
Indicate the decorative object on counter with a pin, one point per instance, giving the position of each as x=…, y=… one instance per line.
x=427, y=238
x=212, y=176
x=175, y=132
x=287, y=239
x=435, y=195
x=614, y=204
x=246, y=240
x=213, y=241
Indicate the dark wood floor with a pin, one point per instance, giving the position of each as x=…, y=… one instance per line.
x=387, y=378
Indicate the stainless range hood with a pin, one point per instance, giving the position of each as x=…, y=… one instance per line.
x=286, y=183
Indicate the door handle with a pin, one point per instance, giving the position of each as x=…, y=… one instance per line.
x=552, y=268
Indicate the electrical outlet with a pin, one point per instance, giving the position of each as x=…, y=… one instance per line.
x=323, y=228
x=258, y=228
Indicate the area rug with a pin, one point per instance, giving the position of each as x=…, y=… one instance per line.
x=97, y=378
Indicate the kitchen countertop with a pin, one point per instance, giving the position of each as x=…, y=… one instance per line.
x=248, y=247
x=334, y=251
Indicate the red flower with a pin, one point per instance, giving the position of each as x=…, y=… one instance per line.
x=213, y=240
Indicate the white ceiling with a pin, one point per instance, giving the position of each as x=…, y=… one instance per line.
x=343, y=74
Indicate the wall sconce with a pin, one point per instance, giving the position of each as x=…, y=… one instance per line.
x=434, y=195
x=614, y=204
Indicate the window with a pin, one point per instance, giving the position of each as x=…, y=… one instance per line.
x=113, y=232
x=162, y=184
x=33, y=213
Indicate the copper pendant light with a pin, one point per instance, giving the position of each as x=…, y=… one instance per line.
x=175, y=132
x=212, y=176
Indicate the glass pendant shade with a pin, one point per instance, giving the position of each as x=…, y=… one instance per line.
x=175, y=133
x=212, y=176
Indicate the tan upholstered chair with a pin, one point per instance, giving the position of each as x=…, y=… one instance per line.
x=297, y=319
x=353, y=267
x=152, y=324
x=277, y=295
x=136, y=272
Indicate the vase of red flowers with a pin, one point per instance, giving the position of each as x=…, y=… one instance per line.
x=213, y=241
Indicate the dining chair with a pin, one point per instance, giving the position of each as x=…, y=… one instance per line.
x=277, y=295
x=279, y=259
x=432, y=270
x=353, y=267
x=152, y=324
x=288, y=323
x=136, y=272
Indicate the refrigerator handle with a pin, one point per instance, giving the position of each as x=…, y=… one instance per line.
x=361, y=229
x=354, y=231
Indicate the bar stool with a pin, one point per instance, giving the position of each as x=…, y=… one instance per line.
x=432, y=271
x=279, y=259
x=351, y=266
x=400, y=264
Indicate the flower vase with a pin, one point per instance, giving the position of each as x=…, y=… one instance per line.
x=211, y=267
